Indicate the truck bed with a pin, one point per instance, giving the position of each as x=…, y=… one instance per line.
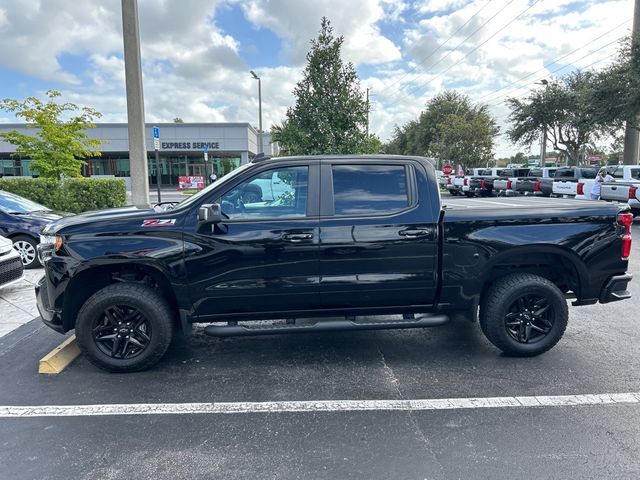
x=524, y=206
x=516, y=202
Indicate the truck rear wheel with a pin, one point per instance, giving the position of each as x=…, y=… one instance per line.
x=524, y=314
x=124, y=327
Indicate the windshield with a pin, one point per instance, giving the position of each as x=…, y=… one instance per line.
x=10, y=203
x=194, y=199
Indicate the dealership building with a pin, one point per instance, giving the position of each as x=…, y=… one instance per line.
x=182, y=150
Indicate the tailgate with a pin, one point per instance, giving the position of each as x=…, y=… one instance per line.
x=567, y=187
x=500, y=184
x=526, y=185
x=612, y=191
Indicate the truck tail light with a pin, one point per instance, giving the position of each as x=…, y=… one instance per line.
x=580, y=188
x=626, y=220
x=484, y=183
x=449, y=181
x=466, y=182
x=632, y=192
x=508, y=184
x=536, y=186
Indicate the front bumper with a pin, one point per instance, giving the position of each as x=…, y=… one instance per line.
x=615, y=289
x=11, y=268
x=51, y=317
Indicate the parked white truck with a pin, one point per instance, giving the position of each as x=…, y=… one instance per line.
x=625, y=188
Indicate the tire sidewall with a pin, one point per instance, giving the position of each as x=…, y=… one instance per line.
x=161, y=332
x=557, y=302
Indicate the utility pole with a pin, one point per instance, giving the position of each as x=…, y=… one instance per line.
x=367, y=111
x=256, y=77
x=135, y=105
x=543, y=141
x=631, y=143
x=543, y=146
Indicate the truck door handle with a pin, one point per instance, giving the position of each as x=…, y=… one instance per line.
x=413, y=233
x=297, y=237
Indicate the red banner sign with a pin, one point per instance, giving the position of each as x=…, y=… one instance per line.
x=185, y=183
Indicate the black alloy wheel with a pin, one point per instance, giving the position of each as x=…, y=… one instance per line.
x=122, y=332
x=530, y=319
x=125, y=327
x=524, y=314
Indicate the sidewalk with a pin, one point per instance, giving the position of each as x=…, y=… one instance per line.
x=18, y=302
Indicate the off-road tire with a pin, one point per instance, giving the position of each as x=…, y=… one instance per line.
x=501, y=296
x=144, y=298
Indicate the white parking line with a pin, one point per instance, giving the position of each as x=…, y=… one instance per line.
x=318, y=406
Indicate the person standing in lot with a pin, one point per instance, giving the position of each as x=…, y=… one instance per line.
x=602, y=177
x=213, y=177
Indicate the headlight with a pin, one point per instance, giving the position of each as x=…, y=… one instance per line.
x=51, y=242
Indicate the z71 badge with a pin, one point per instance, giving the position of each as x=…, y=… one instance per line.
x=165, y=222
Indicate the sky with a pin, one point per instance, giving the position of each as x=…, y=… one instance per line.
x=196, y=54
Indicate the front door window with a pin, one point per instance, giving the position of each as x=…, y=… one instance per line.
x=272, y=194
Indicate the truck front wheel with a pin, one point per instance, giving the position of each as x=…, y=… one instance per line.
x=524, y=314
x=124, y=327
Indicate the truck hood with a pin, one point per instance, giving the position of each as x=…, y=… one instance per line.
x=107, y=215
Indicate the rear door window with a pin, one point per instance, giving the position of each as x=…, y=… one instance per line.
x=369, y=189
x=535, y=172
x=589, y=172
x=635, y=173
x=564, y=173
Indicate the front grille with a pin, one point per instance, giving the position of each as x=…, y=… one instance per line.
x=10, y=270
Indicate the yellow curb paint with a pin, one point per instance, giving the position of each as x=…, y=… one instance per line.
x=60, y=357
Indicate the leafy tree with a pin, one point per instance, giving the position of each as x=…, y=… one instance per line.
x=178, y=120
x=58, y=146
x=452, y=129
x=566, y=109
x=616, y=90
x=330, y=113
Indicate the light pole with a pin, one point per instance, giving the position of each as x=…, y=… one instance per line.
x=135, y=104
x=543, y=142
x=256, y=77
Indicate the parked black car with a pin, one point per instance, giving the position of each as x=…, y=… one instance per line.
x=352, y=235
x=21, y=221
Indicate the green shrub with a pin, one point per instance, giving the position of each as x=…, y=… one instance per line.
x=73, y=195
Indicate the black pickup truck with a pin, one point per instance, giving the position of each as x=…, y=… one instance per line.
x=482, y=184
x=539, y=182
x=341, y=236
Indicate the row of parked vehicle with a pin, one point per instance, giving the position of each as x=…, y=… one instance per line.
x=575, y=182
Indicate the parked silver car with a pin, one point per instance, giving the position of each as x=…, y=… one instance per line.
x=11, y=268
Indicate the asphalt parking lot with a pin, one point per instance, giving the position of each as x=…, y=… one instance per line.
x=172, y=438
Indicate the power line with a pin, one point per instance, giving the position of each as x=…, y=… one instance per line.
x=423, y=60
x=470, y=52
x=490, y=104
x=552, y=63
x=460, y=44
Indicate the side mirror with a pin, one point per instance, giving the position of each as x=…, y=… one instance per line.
x=210, y=213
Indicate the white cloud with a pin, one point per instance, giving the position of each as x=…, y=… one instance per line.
x=298, y=22
x=194, y=69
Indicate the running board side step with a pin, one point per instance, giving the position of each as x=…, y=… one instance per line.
x=424, y=321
